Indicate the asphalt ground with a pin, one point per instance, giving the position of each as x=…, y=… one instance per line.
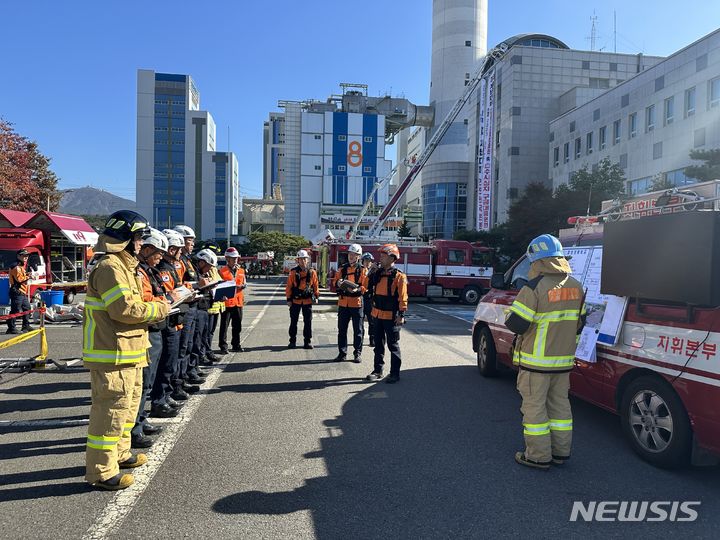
x=288, y=444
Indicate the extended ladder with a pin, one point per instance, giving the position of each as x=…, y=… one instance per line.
x=493, y=55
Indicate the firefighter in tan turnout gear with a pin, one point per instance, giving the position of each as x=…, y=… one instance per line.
x=115, y=345
x=547, y=316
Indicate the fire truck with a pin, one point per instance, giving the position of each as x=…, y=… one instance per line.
x=59, y=245
x=453, y=269
x=661, y=371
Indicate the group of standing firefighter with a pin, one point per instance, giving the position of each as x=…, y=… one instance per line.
x=151, y=311
x=377, y=293
x=150, y=316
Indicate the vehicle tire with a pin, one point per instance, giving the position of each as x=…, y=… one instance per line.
x=470, y=295
x=486, y=353
x=655, y=422
x=69, y=297
x=690, y=207
x=614, y=216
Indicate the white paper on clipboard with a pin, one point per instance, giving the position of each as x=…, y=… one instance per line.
x=585, y=350
x=612, y=321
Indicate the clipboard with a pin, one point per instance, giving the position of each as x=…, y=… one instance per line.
x=208, y=286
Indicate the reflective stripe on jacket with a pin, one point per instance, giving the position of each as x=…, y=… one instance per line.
x=237, y=275
x=116, y=317
x=546, y=315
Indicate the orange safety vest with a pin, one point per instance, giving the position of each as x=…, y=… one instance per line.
x=297, y=284
x=389, y=298
x=239, y=299
x=19, y=276
x=357, y=275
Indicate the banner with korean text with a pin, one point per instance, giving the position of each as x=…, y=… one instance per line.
x=485, y=153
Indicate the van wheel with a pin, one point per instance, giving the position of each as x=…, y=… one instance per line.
x=656, y=423
x=470, y=295
x=69, y=297
x=486, y=354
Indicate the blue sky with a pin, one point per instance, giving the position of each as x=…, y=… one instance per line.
x=68, y=76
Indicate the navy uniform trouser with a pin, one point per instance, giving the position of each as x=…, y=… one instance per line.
x=387, y=332
x=149, y=374
x=232, y=316
x=210, y=331
x=367, y=311
x=187, y=335
x=295, y=310
x=202, y=320
x=345, y=315
x=19, y=303
x=167, y=367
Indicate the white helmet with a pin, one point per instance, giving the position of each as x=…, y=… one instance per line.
x=208, y=256
x=302, y=254
x=175, y=239
x=185, y=231
x=355, y=248
x=157, y=240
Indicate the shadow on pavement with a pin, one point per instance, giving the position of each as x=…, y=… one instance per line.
x=41, y=492
x=26, y=405
x=432, y=457
x=295, y=386
x=239, y=367
x=41, y=448
x=47, y=388
x=41, y=476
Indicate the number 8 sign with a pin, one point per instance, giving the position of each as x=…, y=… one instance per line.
x=354, y=156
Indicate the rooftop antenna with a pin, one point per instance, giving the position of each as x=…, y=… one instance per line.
x=593, y=31
x=614, y=31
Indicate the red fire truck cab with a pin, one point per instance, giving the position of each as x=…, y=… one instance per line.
x=452, y=269
x=662, y=376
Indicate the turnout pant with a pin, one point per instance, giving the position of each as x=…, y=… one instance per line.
x=232, y=315
x=19, y=303
x=387, y=331
x=547, y=418
x=295, y=310
x=148, y=374
x=345, y=315
x=167, y=367
x=187, y=335
x=367, y=312
x=116, y=393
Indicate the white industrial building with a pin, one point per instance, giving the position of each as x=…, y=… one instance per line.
x=180, y=177
x=325, y=157
x=648, y=124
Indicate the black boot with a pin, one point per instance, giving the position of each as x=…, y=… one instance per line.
x=340, y=357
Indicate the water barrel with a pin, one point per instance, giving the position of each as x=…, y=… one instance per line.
x=4, y=290
x=52, y=298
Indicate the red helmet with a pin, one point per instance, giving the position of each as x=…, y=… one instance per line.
x=391, y=249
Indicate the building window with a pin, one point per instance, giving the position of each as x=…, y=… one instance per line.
x=602, y=136
x=701, y=62
x=613, y=66
x=669, y=110
x=468, y=43
x=515, y=59
x=596, y=115
x=660, y=83
x=318, y=137
x=566, y=152
x=657, y=150
x=714, y=92
x=514, y=111
x=699, y=137
x=599, y=83
x=617, y=131
x=514, y=151
x=342, y=137
x=585, y=64
x=556, y=156
x=578, y=147
x=552, y=136
x=589, y=143
x=572, y=126
x=367, y=139
x=624, y=100
x=318, y=168
x=689, y=102
x=367, y=169
x=632, y=125
x=342, y=168
x=650, y=118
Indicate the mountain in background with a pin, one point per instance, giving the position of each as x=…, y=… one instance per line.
x=89, y=201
